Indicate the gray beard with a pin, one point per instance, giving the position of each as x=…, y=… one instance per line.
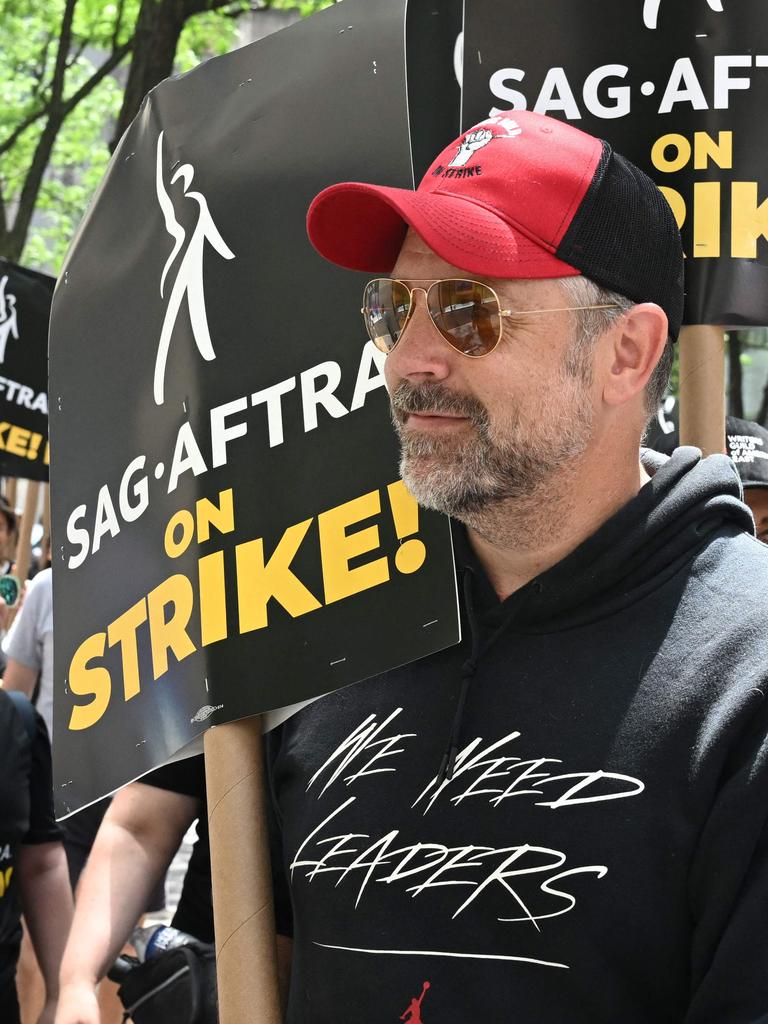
x=470, y=476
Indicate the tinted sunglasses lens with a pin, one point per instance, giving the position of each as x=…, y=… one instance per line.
x=467, y=315
x=386, y=305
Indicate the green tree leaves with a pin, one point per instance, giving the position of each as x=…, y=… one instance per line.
x=64, y=67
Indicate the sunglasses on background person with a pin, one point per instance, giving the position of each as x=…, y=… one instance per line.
x=467, y=314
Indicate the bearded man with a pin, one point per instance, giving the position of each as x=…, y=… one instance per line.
x=562, y=818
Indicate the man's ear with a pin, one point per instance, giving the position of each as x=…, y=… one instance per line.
x=635, y=345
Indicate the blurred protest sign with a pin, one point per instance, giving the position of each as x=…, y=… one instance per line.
x=678, y=88
x=231, y=533
x=25, y=306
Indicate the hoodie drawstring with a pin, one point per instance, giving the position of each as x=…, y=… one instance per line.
x=468, y=669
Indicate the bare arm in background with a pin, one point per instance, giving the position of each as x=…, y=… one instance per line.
x=20, y=677
x=136, y=842
x=46, y=901
x=5, y=617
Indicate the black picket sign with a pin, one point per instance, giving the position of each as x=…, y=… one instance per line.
x=232, y=535
x=25, y=309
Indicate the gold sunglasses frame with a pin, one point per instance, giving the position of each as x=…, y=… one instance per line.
x=468, y=280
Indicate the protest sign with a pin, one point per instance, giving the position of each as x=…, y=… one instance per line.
x=680, y=89
x=231, y=533
x=25, y=306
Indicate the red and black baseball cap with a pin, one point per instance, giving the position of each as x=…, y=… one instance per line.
x=520, y=195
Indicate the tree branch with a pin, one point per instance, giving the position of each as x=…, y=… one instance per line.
x=118, y=24
x=62, y=53
x=20, y=128
x=193, y=7
x=39, y=73
x=109, y=65
x=77, y=54
x=69, y=104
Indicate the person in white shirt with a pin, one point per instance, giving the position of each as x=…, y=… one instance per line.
x=29, y=647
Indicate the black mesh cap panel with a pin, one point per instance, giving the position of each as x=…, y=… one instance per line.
x=625, y=238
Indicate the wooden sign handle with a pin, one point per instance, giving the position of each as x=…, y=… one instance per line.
x=702, y=388
x=28, y=518
x=10, y=490
x=243, y=914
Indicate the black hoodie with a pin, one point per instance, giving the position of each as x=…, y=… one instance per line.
x=594, y=849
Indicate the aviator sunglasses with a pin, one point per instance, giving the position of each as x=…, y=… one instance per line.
x=467, y=314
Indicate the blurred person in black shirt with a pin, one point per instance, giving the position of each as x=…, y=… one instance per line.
x=33, y=866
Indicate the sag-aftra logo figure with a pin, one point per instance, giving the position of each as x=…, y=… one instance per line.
x=9, y=324
x=651, y=11
x=189, y=271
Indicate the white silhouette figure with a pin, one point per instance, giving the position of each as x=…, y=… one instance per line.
x=666, y=409
x=651, y=11
x=9, y=323
x=469, y=145
x=189, y=275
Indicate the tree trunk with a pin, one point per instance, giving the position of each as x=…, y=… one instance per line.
x=156, y=38
x=158, y=27
x=12, y=242
x=735, y=381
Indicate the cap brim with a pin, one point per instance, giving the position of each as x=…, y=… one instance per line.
x=362, y=227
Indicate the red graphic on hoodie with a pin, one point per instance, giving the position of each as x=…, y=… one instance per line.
x=413, y=1014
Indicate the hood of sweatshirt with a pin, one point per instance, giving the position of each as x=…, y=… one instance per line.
x=687, y=502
